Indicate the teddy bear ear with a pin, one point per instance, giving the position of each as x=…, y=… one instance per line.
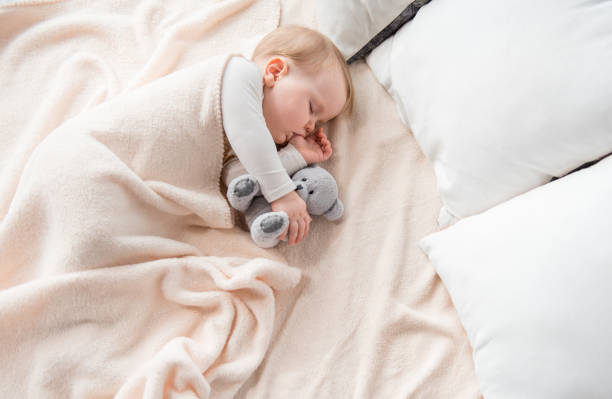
x=336, y=211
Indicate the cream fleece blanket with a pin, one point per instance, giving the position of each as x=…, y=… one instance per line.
x=114, y=236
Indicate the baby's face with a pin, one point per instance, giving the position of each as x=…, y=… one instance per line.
x=297, y=100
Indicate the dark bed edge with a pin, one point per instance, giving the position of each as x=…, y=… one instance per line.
x=406, y=15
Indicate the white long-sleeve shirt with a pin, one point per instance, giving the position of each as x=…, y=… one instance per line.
x=248, y=135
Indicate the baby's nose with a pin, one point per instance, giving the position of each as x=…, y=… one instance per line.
x=309, y=126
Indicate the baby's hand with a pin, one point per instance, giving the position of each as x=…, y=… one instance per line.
x=314, y=148
x=299, y=219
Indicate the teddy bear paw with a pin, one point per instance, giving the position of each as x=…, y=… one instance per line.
x=266, y=228
x=241, y=191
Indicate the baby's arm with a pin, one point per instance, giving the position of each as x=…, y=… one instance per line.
x=300, y=152
x=249, y=137
x=246, y=129
x=290, y=158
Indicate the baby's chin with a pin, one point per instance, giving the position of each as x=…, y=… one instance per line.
x=283, y=139
x=281, y=143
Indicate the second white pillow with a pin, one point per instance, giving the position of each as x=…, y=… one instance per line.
x=530, y=279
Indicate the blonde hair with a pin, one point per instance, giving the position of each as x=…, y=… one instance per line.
x=306, y=48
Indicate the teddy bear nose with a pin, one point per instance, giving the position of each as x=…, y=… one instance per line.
x=299, y=187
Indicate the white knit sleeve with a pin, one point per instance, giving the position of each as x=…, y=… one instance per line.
x=246, y=130
x=291, y=159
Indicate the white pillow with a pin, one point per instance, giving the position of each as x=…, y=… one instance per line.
x=503, y=95
x=531, y=279
x=350, y=24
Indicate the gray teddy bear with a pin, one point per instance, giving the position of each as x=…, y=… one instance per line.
x=314, y=185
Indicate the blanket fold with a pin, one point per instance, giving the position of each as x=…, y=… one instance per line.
x=91, y=334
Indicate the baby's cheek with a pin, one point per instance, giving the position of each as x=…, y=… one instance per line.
x=291, y=112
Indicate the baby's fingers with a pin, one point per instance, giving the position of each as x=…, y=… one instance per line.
x=293, y=232
x=326, y=147
x=321, y=137
x=307, y=229
x=284, y=234
x=301, y=232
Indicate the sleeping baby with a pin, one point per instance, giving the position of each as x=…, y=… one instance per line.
x=297, y=80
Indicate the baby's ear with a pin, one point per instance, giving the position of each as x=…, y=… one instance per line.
x=276, y=68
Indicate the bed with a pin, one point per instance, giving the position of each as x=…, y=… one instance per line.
x=457, y=270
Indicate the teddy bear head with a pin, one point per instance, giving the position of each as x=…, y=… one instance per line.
x=319, y=190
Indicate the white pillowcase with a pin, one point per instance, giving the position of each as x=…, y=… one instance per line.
x=351, y=24
x=504, y=95
x=531, y=280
